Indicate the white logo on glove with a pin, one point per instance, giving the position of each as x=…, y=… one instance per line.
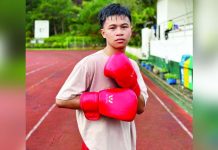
x=110, y=99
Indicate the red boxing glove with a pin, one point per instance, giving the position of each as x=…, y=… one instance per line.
x=115, y=103
x=120, y=68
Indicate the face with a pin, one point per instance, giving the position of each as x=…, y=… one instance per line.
x=117, y=31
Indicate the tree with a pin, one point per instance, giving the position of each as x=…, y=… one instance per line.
x=79, y=17
x=88, y=20
x=142, y=11
x=58, y=12
x=32, y=4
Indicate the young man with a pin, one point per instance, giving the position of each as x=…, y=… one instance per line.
x=106, y=89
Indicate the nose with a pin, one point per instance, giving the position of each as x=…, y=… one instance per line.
x=119, y=32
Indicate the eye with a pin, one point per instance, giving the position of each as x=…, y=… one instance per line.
x=124, y=26
x=112, y=28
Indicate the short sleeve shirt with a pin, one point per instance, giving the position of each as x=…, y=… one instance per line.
x=105, y=133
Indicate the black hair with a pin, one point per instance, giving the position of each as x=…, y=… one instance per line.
x=111, y=10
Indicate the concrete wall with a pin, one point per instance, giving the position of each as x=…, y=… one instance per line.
x=179, y=42
x=172, y=49
x=162, y=11
x=170, y=9
x=177, y=8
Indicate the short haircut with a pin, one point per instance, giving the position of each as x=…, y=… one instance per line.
x=111, y=10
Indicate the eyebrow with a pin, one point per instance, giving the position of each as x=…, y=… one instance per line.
x=120, y=25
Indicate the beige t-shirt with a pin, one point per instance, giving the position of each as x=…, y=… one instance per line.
x=105, y=133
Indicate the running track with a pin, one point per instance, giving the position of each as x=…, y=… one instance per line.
x=163, y=125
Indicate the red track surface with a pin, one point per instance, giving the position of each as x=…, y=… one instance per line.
x=56, y=129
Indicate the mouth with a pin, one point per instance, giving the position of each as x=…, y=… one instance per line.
x=120, y=40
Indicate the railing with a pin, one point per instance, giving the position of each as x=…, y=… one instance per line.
x=183, y=26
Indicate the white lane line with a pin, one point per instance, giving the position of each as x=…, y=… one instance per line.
x=32, y=64
x=38, y=69
x=174, y=117
x=46, y=78
x=49, y=110
x=40, y=121
x=41, y=81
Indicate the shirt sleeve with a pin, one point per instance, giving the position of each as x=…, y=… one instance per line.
x=140, y=80
x=77, y=82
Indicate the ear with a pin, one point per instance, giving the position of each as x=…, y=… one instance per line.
x=103, y=33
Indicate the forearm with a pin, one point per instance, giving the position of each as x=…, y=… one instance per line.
x=71, y=104
x=75, y=103
x=141, y=104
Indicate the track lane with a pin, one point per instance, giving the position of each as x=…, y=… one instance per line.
x=156, y=129
x=41, y=87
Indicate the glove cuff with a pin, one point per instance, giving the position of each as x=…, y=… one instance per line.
x=89, y=105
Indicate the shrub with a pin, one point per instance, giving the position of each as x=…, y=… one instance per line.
x=28, y=45
x=170, y=76
x=164, y=70
x=28, y=39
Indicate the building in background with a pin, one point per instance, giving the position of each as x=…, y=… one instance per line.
x=180, y=39
x=175, y=52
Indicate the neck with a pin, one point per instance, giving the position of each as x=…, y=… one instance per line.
x=110, y=50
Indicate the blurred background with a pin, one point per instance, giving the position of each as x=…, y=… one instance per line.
x=12, y=74
x=73, y=23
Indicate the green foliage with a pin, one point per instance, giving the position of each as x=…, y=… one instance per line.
x=28, y=45
x=140, y=17
x=131, y=56
x=28, y=33
x=80, y=19
x=170, y=76
x=142, y=11
x=163, y=69
x=87, y=18
x=131, y=4
x=28, y=39
x=68, y=41
x=58, y=12
x=149, y=2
